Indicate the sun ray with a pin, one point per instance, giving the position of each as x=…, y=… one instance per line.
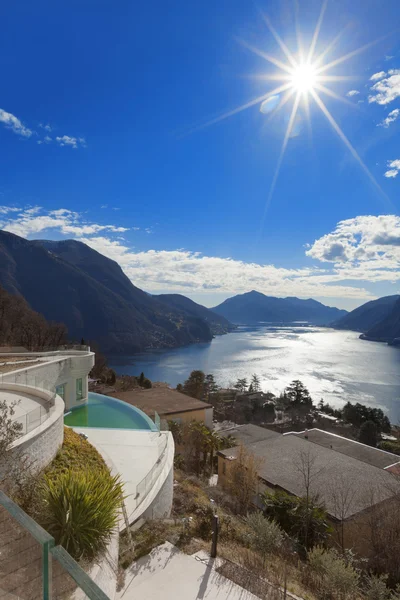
x=281, y=155
x=298, y=33
x=284, y=101
x=333, y=43
x=329, y=92
x=348, y=144
x=316, y=32
x=280, y=42
x=239, y=109
x=326, y=78
x=265, y=56
x=341, y=59
x=306, y=101
x=275, y=77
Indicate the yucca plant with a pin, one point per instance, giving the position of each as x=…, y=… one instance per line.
x=82, y=509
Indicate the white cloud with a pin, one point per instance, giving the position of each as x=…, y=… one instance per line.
x=33, y=220
x=387, y=88
x=377, y=76
x=46, y=127
x=72, y=142
x=352, y=93
x=394, y=168
x=391, y=118
x=12, y=122
x=363, y=250
x=7, y=209
x=185, y=271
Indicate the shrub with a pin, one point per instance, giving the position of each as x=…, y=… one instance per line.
x=301, y=519
x=333, y=577
x=265, y=536
x=75, y=454
x=376, y=588
x=388, y=446
x=82, y=510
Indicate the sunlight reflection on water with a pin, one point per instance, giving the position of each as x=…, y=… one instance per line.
x=335, y=365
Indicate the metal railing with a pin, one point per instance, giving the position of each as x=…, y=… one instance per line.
x=31, y=565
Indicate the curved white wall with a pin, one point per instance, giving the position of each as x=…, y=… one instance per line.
x=42, y=443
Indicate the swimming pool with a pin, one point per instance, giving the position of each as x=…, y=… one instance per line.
x=104, y=411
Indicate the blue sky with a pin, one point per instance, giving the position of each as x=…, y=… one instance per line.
x=105, y=136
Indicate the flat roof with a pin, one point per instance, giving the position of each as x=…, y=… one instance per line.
x=333, y=474
x=164, y=400
x=367, y=454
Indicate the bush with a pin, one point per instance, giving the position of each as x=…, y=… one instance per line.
x=332, y=575
x=82, y=510
x=75, y=454
x=393, y=447
x=302, y=520
x=265, y=536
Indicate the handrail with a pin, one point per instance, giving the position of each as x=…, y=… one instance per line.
x=49, y=550
x=81, y=578
x=145, y=485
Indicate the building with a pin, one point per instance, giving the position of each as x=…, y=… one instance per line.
x=169, y=404
x=350, y=479
x=42, y=385
x=64, y=371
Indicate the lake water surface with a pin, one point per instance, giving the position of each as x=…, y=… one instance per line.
x=335, y=365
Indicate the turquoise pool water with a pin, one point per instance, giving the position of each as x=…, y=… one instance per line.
x=103, y=411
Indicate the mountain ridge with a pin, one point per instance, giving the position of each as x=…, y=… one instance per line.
x=368, y=315
x=255, y=307
x=217, y=323
x=69, y=282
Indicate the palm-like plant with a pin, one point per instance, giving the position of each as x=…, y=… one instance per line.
x=82, y=510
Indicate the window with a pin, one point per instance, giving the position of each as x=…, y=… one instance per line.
x=60, y=391
x=79, y=389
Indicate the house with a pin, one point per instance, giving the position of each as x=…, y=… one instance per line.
x=169, y=404
x=350, y=479
x=41, y=386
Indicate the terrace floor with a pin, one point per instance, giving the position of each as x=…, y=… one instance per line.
x=29, y=410
x=134, y=455
x=169, y=574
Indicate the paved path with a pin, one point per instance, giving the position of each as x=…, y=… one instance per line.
x=169, y=574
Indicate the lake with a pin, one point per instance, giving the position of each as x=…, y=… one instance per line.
x=335, y=365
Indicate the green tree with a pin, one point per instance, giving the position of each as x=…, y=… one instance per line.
x=255, y=383
x=368, y=434
x=299, y=400
x=241, y=385
x=304, y=520
x=211, y=386
x=141, y=379
x=194, y=385
x=357, y=414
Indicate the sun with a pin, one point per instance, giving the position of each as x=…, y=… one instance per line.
x=304, y=78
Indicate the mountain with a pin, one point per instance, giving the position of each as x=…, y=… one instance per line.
x=368, y=315
x=387, y=330
x=67, y=281
x=254, y=307
x=217, y=323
